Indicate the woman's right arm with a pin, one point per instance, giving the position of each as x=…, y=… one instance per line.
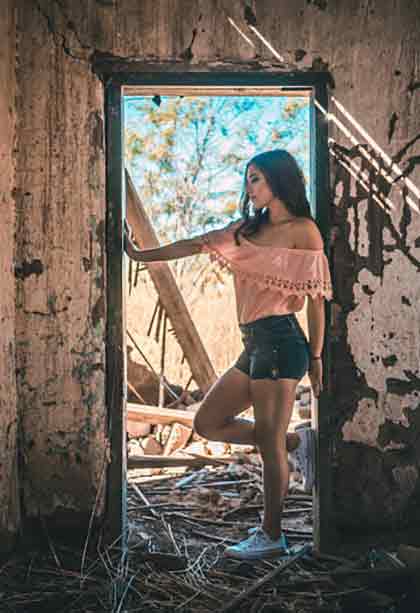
x=178, y=249
x=173, y=251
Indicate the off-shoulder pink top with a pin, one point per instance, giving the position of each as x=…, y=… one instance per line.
x=268, y=280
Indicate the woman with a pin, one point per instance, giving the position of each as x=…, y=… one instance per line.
x=276, y=257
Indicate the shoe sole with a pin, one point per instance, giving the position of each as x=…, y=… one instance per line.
x=309, y=469
x=305, y=431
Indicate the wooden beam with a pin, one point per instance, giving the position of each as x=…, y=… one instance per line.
x=157, y=415
x=135, y=392
x=169, y=294
x=158, y=461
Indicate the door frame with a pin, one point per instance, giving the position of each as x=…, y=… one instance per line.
x=117, y=78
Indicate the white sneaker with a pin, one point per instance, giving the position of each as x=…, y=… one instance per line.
x=258, y=546
x=305, y=455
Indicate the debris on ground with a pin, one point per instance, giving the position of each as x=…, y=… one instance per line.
x=187, y=499
x=179, y=523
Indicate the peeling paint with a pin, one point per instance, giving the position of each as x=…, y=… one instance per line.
x=64, y=37
x=299, y=54
x=322, y=5
x=392, y=123
x=187, y=54
x=364, y=426
x=26, y=269
x=369, y=343
x=413, y=86
x=98, y=311
x=249, y=16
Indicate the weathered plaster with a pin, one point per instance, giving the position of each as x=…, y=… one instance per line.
x=60, y=270
x=375, y=244
x=384, y=339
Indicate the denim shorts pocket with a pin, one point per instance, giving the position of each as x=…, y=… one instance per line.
x=264, y=363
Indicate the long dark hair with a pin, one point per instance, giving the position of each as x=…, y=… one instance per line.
x=287, y=183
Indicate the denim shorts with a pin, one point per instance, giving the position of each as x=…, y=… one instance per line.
x=275, y=348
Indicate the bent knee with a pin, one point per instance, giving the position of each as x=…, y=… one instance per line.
x=201, y=425
x=205, y=425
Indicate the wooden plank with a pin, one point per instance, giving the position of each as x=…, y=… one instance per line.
x=220, y=90
x=159, y=461
x=159, y=415
x=169, y=294
x=135, y=392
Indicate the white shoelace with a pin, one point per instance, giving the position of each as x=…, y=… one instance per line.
x=259, y=537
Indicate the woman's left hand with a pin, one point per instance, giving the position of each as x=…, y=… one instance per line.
x=315, y=376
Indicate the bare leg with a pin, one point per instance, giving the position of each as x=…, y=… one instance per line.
x=273, y=403
x=217, y=418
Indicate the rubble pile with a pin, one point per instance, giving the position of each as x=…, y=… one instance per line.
x=179, y=526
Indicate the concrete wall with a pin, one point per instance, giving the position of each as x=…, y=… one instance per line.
x=371, y=50
x=60, y=273
x=9, y=499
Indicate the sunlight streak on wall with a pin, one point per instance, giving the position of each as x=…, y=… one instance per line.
x=393, y=166
x=237, y=28
x=365, y=154
x=267, y=44
x=356, y=175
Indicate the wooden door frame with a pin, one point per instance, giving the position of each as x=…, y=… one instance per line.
x=116, y=77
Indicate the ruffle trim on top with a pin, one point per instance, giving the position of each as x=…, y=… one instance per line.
x=310, y=287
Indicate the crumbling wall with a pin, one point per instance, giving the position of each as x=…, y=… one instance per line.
x=60, y=274
x=378, y=353
x=370, y=50
x=9, y=500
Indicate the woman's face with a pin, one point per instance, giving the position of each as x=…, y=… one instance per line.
x=257, y=187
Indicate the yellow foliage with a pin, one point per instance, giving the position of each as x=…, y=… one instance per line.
x=230, y=207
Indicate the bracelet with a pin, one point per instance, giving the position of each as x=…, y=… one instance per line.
x=316, y=357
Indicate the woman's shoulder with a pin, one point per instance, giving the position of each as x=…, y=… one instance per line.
x=306, y=234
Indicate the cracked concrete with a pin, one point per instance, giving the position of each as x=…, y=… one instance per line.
x=64, y=32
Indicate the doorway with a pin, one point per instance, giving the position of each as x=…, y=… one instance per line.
x=197, y=101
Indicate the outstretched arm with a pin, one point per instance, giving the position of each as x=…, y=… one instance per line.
x=173, y=251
